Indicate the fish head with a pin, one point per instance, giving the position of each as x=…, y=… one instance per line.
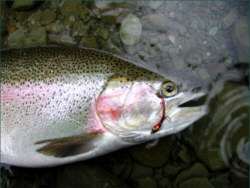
x=143, y=110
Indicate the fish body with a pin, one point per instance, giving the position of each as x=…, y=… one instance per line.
x=62, y=104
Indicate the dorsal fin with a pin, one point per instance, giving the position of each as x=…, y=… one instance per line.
x=69, y=146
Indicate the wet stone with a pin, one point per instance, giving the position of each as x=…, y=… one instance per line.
x=241, y=39
x=103, y=33
x=79, y=29
x=74, y=8
x=37, y=36
x=89, y=42
x=184, y=155
x=153, y=157
x=147, y=182
x=61, y=39
x=83, y=175
x=164, y=182
x=196, y=182
x=154, y=21
x=130, y=31
x=55, y=27
x=170, y=6
x=140, y=171
x=16, y=38
x=230, y=18
x=22, y=4
x=35, y=17
x=220, y=181
x=155, y=5
x=196, y=170
x=171, y=169
x=212, y=31
x=47, y=17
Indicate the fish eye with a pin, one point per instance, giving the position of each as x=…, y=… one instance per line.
x=168, y=89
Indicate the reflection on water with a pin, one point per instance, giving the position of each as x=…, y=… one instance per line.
x=205, y=43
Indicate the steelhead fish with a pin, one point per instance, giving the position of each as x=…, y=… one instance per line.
x=61, y=104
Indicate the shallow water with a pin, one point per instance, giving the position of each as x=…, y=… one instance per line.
x=205, y=43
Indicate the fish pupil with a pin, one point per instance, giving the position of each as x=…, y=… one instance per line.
x=169, y=89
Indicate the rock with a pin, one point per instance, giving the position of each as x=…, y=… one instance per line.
x=89, y=42
x=35, y=17
x=16, y=38
x=74, y=8
x=79, y=29
x=20, y=5
x=140, y=171
x=155, y=5
x=196, y=182
x=184, y=155
x=230, y=18
x=198, y=23
x=154, y=21
x=55, y=27
x=69, y=21
x=194, y=24
x=171, y=169
x=130, y=31
x=37, y=36
x=241, y=39
x=33, y=36
x=47, y=17
x=196, y=170
x=61, y=39
x=103, y=33
x=189, y=47
x=164, y=182
x=170, y=6
x=221, y=181
x=212, y=31
x=114, y=12
x=147, y=182
x=153, y=157
x=83, y=175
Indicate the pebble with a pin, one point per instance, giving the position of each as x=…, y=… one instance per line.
x=103, y=33
x=196, y=170
x=84, y=175
x=230, y=18
x=146, y=183
x=130, y=31
x=79, y=29
x=171, y=169
x=241, y=39
x=220, y=181
x=155, y=5
x=61, y=39
x=154, y=21
x=89, y=42
x=22, y=4
x=196, y=182
x=170, y=6
x=140, y=171
x=47, y=17
x=212, y=31
x=153, y=157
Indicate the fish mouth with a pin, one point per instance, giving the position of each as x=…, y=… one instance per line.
x=183, y=110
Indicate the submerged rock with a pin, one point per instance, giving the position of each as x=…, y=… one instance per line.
x=22, y=4
x=241, y=39
x=83, y=175
x=130, y=31
x=154, y=21
x=230, y=18
x=153, y=157
x=197, y=170
x=196, y=182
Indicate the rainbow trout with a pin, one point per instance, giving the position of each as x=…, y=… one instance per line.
x=61, y=104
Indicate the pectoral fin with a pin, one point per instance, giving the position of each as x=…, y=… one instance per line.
x=69, y=146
